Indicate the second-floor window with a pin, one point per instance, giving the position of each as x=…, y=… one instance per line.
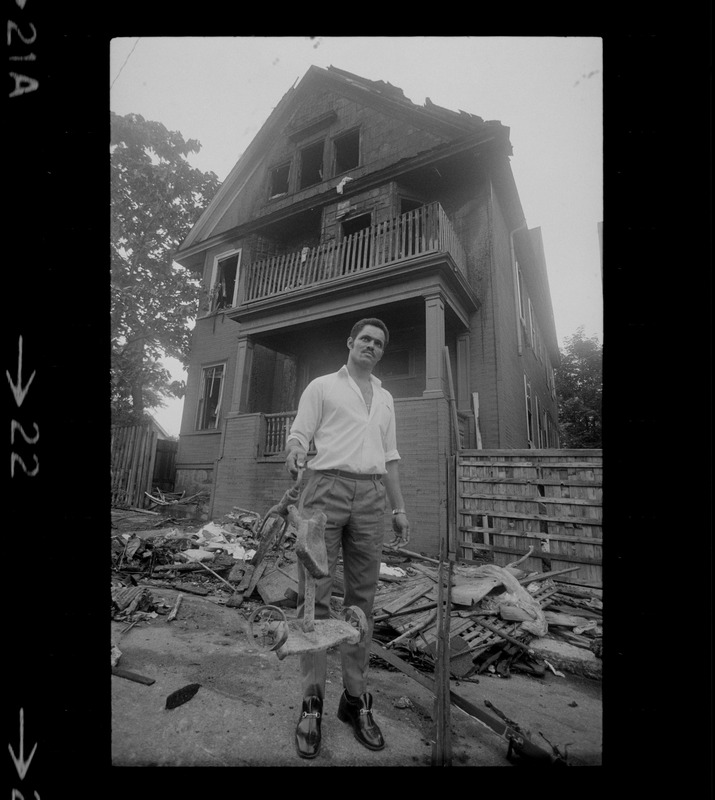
x=210, y=397
x=224, y=281
x=311, y=165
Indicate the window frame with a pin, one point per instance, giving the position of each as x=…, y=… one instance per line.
x=215, y=274
x=271, y=172
x=200, y=405
x=335, y=143
x=528, y=400
x=301, y=152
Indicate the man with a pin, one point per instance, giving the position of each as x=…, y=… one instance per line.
x=351, y=420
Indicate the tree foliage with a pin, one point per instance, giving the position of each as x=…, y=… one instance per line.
x=579, y=384
x=156, y=197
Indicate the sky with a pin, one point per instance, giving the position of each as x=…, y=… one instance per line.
x=547, y=90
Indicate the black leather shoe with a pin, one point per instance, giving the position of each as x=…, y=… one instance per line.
x=359, y=715
x=307, y=734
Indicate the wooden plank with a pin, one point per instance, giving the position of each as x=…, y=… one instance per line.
x=582, y=521
x=555, y=537
x=533, y=481
x=534, y=464
x=405, y=598
x=537, y=453
x=525, y=498
x=547, y=555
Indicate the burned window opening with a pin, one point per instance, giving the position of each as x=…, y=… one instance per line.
x=347, y=152
x=311, y=165
x=224, y=289
x=210, y=399
x=279, y=181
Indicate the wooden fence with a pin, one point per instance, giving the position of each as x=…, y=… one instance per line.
x=511, y=500
x=133, y=456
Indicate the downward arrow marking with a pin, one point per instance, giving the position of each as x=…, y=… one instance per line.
x=20, y=764
x=17, y=388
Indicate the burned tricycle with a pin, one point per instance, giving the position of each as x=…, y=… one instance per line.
x=268, y=624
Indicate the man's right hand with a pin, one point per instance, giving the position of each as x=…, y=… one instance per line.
x=295, y=461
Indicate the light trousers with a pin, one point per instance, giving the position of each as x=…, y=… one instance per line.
x=355, y=511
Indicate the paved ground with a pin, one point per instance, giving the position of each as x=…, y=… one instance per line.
x=245, y=712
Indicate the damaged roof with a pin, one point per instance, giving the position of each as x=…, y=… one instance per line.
x=452, y=125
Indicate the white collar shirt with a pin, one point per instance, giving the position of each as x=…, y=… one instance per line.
x=332, y=413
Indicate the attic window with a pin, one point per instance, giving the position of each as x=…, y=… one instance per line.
x=311, y=165
x=347, y=152
x=279, y=180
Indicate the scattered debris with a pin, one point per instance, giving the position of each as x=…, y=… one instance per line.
x=175, y=610
x=243, y=560
x=181, y=696
x=132, y=676
x=553, y=669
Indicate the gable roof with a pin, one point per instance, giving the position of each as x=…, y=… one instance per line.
x=451, y=125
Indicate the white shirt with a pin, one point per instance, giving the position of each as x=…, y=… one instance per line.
x=333, y=413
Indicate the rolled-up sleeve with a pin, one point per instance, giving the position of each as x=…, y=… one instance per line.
x=389, y=440
x=308, y=417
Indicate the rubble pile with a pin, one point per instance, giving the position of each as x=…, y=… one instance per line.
x=497, y=614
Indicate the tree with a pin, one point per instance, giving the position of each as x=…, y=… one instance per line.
x=156, y=196
x=579, y=385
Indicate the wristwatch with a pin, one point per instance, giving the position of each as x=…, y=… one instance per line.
x=396, y=511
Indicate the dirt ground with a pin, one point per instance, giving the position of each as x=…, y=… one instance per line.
x=246, y=709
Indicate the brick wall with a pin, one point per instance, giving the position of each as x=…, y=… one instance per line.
x=422, y=435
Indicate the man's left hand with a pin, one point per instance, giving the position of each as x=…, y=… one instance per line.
x=401, y=527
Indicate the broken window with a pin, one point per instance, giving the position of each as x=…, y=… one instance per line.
x=210, y=397
x=224, y=284
x=311, y=165
x=347, y=152
x=529, y=418
x=520, y=292
x=279, y=181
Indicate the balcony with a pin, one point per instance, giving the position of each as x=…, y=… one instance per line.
x=413, y=235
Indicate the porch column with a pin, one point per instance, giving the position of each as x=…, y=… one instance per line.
x=462, y=388
x=434, y=341
x=242, y=379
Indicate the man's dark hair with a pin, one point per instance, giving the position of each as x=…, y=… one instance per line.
x=377, y=323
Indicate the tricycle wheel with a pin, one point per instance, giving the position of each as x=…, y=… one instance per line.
x=268, y=626
x=356, y=617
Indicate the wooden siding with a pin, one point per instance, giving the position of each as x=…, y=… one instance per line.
x=551, y=500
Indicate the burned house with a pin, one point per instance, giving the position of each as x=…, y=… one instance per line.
x=352, y=201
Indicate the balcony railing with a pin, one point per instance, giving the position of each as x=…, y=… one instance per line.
x=416, y=233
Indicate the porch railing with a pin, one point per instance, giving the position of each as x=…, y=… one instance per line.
x=277, y=429
x=424, y=230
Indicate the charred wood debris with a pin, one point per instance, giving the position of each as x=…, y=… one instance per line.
x=495, y=613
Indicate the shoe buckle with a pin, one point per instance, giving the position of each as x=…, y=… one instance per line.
x=315, y=714
x=365, y=711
